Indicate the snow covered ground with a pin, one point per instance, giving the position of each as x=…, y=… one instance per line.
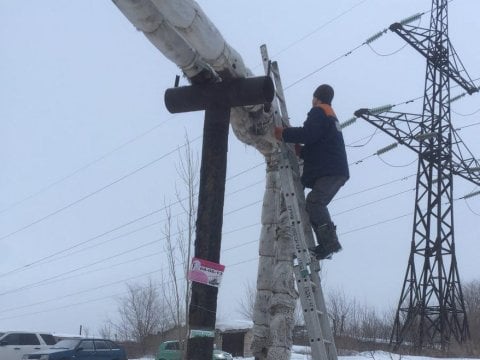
x=301, y=353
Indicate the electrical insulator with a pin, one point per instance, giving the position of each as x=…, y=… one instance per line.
x=411, y=18
x=348, y=122
x=386, y=148
x=472, y=194
x=455, y=98
x=375, y=37
x=380, y=109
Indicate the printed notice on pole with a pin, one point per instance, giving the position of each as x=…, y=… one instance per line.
x=206, y=272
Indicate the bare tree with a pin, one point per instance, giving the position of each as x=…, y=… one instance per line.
x=471, y=295
x=149, y=309
x=173, y=288
x=107, y=331
x=178, y=246
x=358, y=321
x=339, y=308
x=188, y=171
x=85, y=331
x=141, y=313
x=246, y=304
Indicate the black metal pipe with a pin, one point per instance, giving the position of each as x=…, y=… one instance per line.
x=231, y=92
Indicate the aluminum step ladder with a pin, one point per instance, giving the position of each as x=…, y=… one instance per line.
x=306, y=267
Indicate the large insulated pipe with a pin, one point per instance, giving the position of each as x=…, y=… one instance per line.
x=194, y=25
x=147, y=19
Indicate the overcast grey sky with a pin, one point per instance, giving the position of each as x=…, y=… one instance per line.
x=78, y=82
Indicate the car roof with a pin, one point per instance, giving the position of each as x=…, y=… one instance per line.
x=25, y=331
x=79, y=338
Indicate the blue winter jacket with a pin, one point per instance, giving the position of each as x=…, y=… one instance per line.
x=324, y=151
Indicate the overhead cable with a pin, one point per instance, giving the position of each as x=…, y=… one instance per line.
x=80, y=169
x=85, y=197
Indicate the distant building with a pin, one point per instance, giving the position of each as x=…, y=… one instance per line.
x=235, y=337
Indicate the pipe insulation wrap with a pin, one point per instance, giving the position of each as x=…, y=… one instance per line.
x=141, y=13
x=146, y=18
x=196, y=28
x=181, y=13
x=192, y=23
x=175, y=49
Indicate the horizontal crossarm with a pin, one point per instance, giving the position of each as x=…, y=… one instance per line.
x=407, y=129
x=420, y=39
x=411, y=131
x=463, y=162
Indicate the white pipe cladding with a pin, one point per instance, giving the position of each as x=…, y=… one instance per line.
x=194, y=25
x=147, y=19
x=184, y=34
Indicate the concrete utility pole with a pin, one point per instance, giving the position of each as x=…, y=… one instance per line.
x=216, y=99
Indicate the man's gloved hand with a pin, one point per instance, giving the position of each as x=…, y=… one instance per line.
x=278, y=132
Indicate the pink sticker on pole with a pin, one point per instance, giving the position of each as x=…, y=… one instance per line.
x=206, y=272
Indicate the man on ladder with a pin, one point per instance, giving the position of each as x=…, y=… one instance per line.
x=325, y=168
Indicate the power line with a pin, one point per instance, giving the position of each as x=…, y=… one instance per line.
x=388, y=54
x=324, y=66
x=110, y=296
x=154, y=161
x=469, y=208
x=83, y=198
x=344, y=233
x=467, y=126
x=138, y=259
x=465, y=115
x=119, y=147
x=349, y=52
x=238, y=263
x=42, y=260
x=116, y=255
x=398, y=50
x=142, y=228
x=175, y=234
x=27, y=286
x=135, y=220
x=58, y=278
x=319, y=28
x=374, y=187
x=373, y=202
x=80, y=169
x=367, y=42
x=376, y=224
x=369, y=137
x=397, y=166
x=121, y=281
x=55, y=255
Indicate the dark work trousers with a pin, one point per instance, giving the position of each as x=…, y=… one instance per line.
x=322, y=193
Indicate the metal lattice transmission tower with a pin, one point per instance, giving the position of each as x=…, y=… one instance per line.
x=431, y=310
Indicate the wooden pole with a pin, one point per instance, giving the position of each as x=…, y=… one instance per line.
x=203, y=303
x=216, y=99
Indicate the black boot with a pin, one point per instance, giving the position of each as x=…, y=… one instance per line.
x=327, y=239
